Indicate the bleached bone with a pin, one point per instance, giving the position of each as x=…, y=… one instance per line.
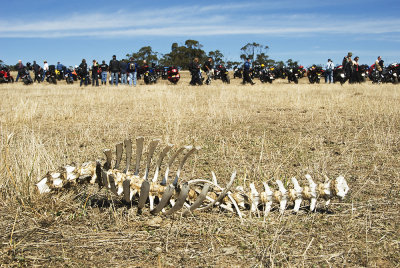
x=199, y=200
x=295, y=195
x=310, y=192
x=181, y=199
x=144, y=194
x=197, y=194
x=152, y=148
x=139, y=151
x=107, y=164
x=266, y=198
x=189, y=153
x=118, y=150
x=128, y=151
x=281, y=196
x=170, y=162
x=229, y=195
x=160, y=159
x=255, y=198
x=164, y=199
x=223, y=193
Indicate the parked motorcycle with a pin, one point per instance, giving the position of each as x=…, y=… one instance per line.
x=314, y=74
x=5, y=76
x=223, y=74
x=339, y=74
x=51, y=75
x=173, y=75
x=267, y=75
x=293, y=74
x=25, y=76
x=237, y=72
x=150, y=76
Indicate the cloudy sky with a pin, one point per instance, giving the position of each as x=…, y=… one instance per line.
x=308, y=31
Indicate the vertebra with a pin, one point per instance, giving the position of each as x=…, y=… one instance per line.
x=197, y=194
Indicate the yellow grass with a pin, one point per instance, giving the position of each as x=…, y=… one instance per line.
x=262, y=131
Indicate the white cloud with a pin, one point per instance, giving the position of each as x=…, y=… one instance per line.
x=208, y=20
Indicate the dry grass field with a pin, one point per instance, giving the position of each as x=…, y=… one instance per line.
x=262, y=131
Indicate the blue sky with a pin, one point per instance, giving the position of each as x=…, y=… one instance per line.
x=307, y=31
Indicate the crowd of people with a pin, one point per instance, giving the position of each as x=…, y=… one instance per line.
x=126, y=71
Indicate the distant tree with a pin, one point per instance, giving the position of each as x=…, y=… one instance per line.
x=145, y=53
x=217, y=56
x=231, y=64
x=181, y=56
x=252, y=50
x=290, y=63
x=263, y=58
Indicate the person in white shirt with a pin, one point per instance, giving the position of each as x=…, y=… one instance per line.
x=329, y=71
x=45, y=69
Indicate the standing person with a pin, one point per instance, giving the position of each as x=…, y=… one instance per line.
x=83, y=72
x=132, y=72
x=356, y=74
x=95, y=73
x=104, y=70
x=379, y=64
x=347, y=64
x=114, y=69
x=246, y=72
x=329, y=71
x=20, y=69
x=45, y=69
x=37, y=70
x=208, y=68
x=123, y=69
x=194, y=69
x=60, y=68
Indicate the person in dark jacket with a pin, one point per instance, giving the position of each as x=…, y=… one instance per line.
x=83, y=73
x=123, y=65
x=37, y=71
x=208, y=68
x=132, y=72
x=246, y=72
x=114, y=68
x=20, y=69
x=194, y=69
x=104, y=70
x=95, y=73
x=347, y=64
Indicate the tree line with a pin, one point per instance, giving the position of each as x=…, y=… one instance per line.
x=182, y=55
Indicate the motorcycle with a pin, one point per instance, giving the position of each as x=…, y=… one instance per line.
x=237, y=72
x=51, y=75
x=26, y=77
x=5, y=76
x=267, y=75
x=363, y=71
x=224, y=74
x=149, y=77
x=69, y=76
x=314, y=74
x=173, y=75
x=339, y=74
x=293, y=74
x=165, y=74
x=390, y=73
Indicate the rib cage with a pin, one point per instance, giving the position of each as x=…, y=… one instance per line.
x=167, y=197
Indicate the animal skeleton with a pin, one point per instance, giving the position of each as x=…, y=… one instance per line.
x=194, y=195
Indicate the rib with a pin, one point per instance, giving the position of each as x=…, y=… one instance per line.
x=152, y=148
x=139, y=151
x=128, y=151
